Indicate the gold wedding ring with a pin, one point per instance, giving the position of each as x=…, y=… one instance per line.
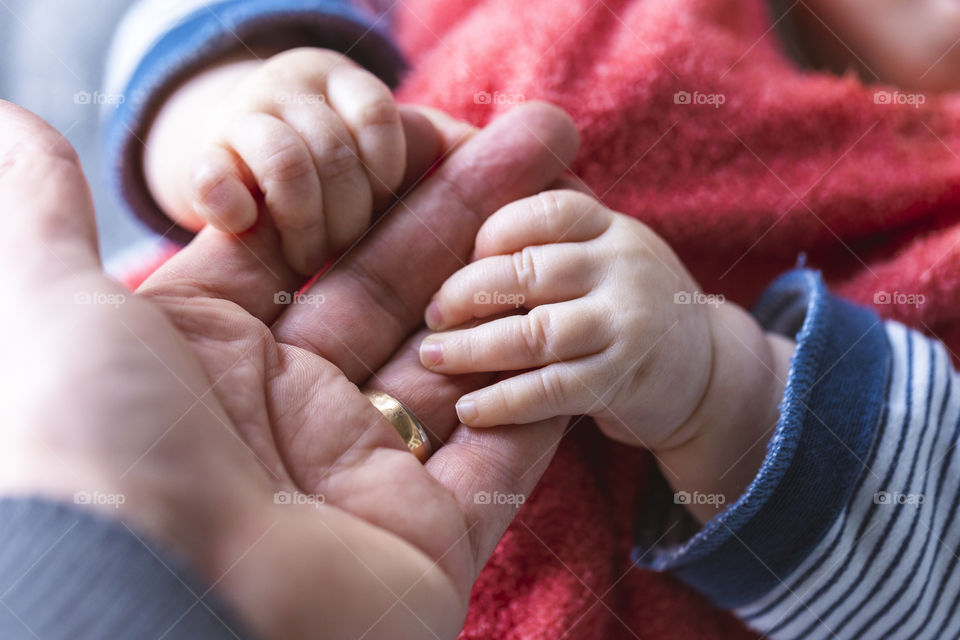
x=403, y=420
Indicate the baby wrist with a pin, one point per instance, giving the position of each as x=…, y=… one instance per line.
x=720, y=447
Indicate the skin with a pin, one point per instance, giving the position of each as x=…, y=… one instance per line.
x=198, y=398
x=242, y=396
x=208, y=397
x=709, y=437
x=912, y=44
x=603, y=336
x=317, y=138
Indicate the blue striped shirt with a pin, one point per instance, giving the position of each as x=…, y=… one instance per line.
x=846, y=530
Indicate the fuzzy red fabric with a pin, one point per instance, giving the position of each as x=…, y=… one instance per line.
x=790, y=163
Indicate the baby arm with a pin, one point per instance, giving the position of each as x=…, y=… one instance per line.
x=839, y=518
x=616, y=330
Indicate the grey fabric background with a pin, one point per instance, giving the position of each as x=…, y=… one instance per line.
x=51, y=50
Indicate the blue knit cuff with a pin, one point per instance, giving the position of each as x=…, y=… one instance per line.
x=829, y=416
x=67, y=573
x=207, y=35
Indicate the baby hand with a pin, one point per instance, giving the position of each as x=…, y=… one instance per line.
x=315, y=135
x=607, y=333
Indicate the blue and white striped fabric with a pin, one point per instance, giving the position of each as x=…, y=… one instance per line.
x=161, y=42
x=875, y=553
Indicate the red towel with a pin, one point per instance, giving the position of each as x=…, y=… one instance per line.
x=694, y=121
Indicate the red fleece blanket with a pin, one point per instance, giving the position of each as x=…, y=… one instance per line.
x=694, y=121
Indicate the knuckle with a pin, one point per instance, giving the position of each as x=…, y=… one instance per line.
x=470, y=348
x=559, y=210
x=552, y=389
x=535, y=332
x=546, y=207
x=525, y=267
x=458, y=199
x=339, y=162
x=569, y=199
x=380, y=288
x=506, y=399
x=514, y=401
x=379, y=112
x=287, y=163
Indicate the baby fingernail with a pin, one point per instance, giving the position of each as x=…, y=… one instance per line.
x=466, y=410
x=213, y=190
x=433, y=316
x=431, y=353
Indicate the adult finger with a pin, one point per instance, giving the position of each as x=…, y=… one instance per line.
x=508, y=461
x=571, y=182
x=383, y=286
x=430, y=136
x=49, y=230
x=431, y=396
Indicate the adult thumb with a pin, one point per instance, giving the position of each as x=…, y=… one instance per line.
x=47, y=227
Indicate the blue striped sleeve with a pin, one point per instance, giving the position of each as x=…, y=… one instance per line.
x=161, y=42
x=845, y=532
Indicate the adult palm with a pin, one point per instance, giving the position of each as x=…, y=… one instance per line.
x=200, y=397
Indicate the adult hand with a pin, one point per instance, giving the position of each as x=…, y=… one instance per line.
x=200, y=397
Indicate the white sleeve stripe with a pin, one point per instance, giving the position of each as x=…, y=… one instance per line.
x=945, y=581
x=857, y=581
x=873, y=527
x=886, y=570
x=919, y=597
x=873, y=609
